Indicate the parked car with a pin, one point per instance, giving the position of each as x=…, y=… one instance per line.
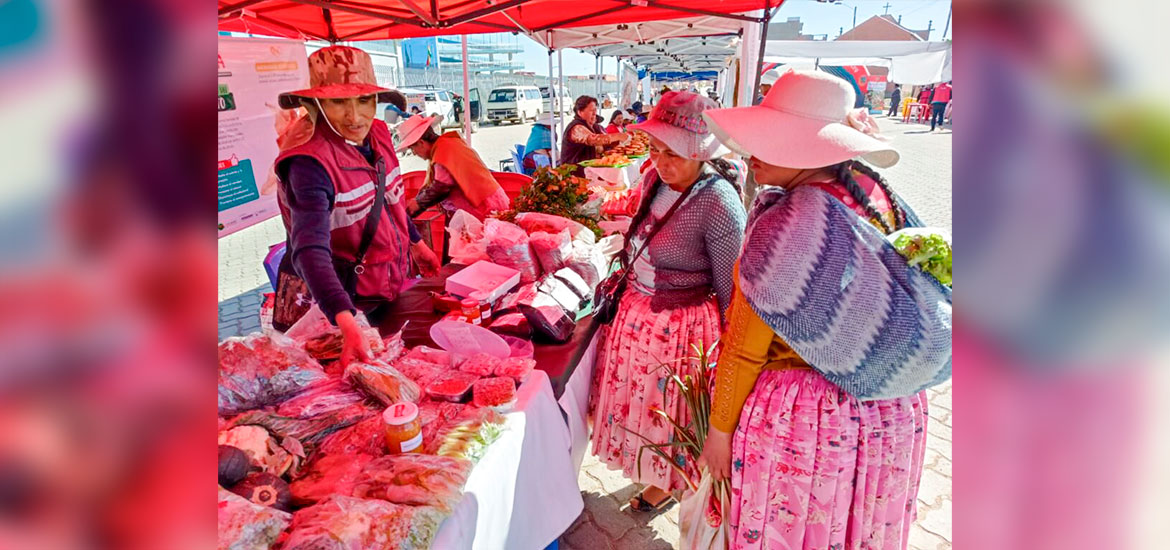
x=566, y=99
x=514, y=104
x=432, y=101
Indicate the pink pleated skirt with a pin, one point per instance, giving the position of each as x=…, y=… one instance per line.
x=814, y=468
x=629, y=383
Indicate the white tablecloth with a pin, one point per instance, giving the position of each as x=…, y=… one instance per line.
x=523, y=493
x=575, y=402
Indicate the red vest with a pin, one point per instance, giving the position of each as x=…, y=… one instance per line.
x=388, y=259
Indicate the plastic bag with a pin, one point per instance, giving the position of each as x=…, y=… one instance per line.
x=348, y=523
x=516, y=368
x=551, y=249
x=507, y=245
x=533, y=222
x=702, y=518
x=328, y=475
x=422, y=372
x=258, y=370
x=307, y=430
x=415, y=480
x=493, y=392
x=466, y=239
x=243, y=525
x=320, y=398
x=588, y=262
x=382, y=382
x=365, y=437
x=480, y=364
x=430, y=355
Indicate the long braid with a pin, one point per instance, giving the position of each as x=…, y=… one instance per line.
x=899, y=214
x=845, y=176
x=727, y=171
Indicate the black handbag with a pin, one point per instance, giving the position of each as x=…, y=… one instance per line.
x=610, y=290
x=293, y=298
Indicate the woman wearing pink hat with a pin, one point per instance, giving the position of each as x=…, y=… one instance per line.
x=682, y=244
x=819, y=415
x=350, y=241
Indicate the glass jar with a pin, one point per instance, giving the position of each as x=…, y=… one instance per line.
x=485, y=307
x=471, y=311
x=403, y=428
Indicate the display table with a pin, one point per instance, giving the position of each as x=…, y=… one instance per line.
x=523, y=493
x=627, y=177
x=413, y=313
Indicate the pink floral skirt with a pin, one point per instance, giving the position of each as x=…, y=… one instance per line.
x=630, y=382
x=812, y=467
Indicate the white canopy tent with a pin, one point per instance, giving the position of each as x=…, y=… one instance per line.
x=910, y=62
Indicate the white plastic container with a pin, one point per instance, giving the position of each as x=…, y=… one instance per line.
x=492, y=280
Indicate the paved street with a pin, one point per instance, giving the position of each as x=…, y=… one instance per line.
x=923, y=177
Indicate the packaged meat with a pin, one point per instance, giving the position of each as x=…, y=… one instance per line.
x=348, y=523
x=548, y=318
x=243, y=525
x=258, y=370
x=382, y=382
x=533, y=222
x=516, y=368
x=512, y=324
x=429, y=355
x=307, y=430
x=322, y=397
x=507, y=245
x=392, y=348
x=493, y=392
x=551, y=249
x=453, y=386
x=415, y=480
x=422, y=372
x=328, y=475
x=365, y=437
x=480, y=364
x=466, y=238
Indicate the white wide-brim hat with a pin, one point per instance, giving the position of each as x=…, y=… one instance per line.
x=548, y=119
x=806, y=121
x=410, y=131
x=677, y=121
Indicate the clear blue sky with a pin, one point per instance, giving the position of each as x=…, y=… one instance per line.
x=818, y=18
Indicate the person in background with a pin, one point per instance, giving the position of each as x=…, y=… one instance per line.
x=328, y=164
x=584, y=138
x=415, y=110
x=679, y=287
x=818, y=415
x=396, y=108
x=617, y=123
x=938, y=104
x=632, y=115
x=457, y=178
x=924, y=95
x=766, y=80
x=895, y=100
x=538, y=148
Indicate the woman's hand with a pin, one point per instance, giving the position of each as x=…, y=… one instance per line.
x=354, y=347
x=716, y=455
x=425, y=259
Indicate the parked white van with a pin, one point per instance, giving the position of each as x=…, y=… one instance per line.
x=567, y=99
x=514, y=104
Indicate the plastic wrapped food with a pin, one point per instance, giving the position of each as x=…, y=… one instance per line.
x=349, y=523
x=547, y=317
x=307, y=430
x=262, y=449
x=420, y=371
x=328, y=475
x=493, y=392
x=429, y=355
x=257, y=370
x=392, y=348
x=382, y=382
x=480, y=364
x=588, y=261
x=452, y=386
x=513, y=324
x=415, y=480
x=365, y=437
x=507, y=245
x=579, y=286
x=551, y=249
x=516, y=368
x=320, y=398
x=466, y=238
x=533, y=222
x=243, y=525
x=469, y=435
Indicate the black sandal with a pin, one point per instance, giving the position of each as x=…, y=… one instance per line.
x=640, y=504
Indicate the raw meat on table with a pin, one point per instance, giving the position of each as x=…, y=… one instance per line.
x=415, y=480
x=329, y=475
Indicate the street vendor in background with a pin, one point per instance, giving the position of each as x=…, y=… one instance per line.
x=617, y=123
x=538, y=148
x=457, y=179
x=350, y=241
x=584, y=138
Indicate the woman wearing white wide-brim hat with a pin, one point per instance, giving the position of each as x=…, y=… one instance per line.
x=679, y=286
x=818, y=414
x=538, y=148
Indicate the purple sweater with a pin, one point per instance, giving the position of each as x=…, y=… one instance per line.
x=310, y=203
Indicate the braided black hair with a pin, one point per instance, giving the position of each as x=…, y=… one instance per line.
x=844, y=173
x=727, y=171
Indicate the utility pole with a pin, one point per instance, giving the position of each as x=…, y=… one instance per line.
x=929, y=27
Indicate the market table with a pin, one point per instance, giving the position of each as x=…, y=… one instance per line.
x=626, y=177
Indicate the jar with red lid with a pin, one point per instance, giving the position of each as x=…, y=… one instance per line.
x=403, y=428
x=471, y=311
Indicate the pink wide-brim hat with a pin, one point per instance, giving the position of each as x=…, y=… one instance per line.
x=677, y=121
x=806, y=121
x=337, y=72
x=410, y=131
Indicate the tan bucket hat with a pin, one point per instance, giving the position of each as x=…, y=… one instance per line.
x=338, y=72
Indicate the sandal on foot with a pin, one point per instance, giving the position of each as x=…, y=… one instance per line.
x=640, y=504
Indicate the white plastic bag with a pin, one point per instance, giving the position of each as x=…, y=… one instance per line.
x=533, y=222
x=551, y=249
x=506, y=244
x=466, y=238
x=702, y=518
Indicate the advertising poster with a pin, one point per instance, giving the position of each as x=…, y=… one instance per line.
x=252, y=73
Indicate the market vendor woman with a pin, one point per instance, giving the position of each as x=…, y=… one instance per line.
x=457, y=179
x=350, y=241
x=584, y=138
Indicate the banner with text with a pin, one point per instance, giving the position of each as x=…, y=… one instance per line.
x=252, y=73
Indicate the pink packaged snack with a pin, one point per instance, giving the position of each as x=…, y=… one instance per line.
x=422, y=372
x=516, y=368
x=430, y=355
x=480, y=364
x=452, y=386
x=492, y=392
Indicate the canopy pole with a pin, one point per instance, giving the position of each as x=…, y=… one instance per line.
x=597, y=69
x=763, y=43
x=466, y=96
x=556, y=115
x=561, y=77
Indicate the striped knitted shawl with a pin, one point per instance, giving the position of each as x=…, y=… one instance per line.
x=842, y=297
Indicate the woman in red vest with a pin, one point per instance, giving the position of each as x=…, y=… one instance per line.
x=349, y=239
